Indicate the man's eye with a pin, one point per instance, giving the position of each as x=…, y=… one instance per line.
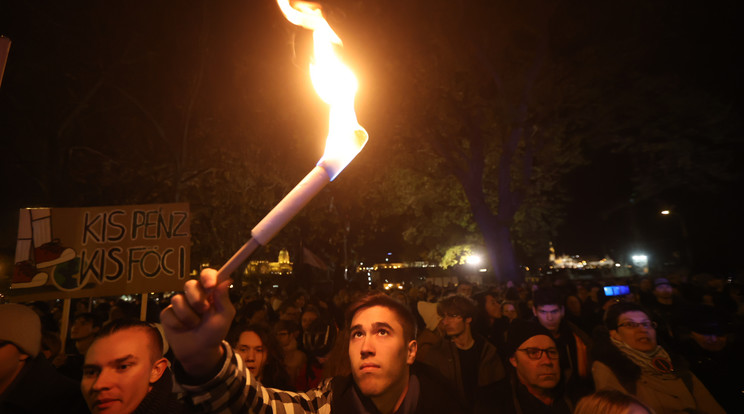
x=123, y=367
x=383, y=332
x=356, y=334
x=89, y=372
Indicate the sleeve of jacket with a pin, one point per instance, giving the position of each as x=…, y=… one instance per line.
x=605, y=379
x=234, y=390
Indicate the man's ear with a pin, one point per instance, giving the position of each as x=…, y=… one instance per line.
x=158, y=368
x=534, y=311
x=614, y=335
x=513, y=361
x=411, y=353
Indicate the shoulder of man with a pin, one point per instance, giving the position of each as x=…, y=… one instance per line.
x=439, y=352
x=578, y=333
x=39, y=385
x=435, y=395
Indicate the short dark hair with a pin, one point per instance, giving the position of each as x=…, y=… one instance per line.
x=156, y=340
x=405, y=316
x=457, y=304
x=263, y=331
x=547, y=296
x=614, y=312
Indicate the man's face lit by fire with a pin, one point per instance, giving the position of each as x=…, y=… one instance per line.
x=379, y=353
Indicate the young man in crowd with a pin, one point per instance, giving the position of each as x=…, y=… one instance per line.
x=470, y=363
x=572, y=343
x=287, y=333
x=382, y=350
x=29, y=383
x=83, y=330
x=536, y=386
x=666, y=310
x=125, y=371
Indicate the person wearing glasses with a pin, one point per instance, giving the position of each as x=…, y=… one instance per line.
x=628, y=358
x=536, y=375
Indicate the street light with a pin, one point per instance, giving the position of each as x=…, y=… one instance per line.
x=473, y=259
x=683, y=228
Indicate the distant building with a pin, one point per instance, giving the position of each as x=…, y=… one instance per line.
x=576, y=262
x=264, y=267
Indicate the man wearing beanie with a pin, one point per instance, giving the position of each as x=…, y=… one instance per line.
x=536, y=377
x=28, y=382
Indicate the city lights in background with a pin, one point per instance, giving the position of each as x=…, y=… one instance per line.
x=640, y=260
x=473, y=260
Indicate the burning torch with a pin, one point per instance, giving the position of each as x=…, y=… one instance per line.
x=336, y=85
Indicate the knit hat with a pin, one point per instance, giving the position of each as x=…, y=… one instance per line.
x=21, y=326
x=520, y=331
x=661, y=281
x=705, y=321
x=428, y=312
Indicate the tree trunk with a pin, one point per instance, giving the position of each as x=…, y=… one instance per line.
x=496, y=235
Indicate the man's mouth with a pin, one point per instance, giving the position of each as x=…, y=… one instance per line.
x=368, y=367
x=102, y=404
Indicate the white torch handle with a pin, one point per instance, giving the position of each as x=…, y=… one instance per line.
x=277, y=218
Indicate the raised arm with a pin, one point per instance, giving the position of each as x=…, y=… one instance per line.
x=212, y=377
x=197, y=321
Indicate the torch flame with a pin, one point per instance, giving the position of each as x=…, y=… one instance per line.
x=336, y=85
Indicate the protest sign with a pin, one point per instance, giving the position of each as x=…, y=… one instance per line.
x=100, y=251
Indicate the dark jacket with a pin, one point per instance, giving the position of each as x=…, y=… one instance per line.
x=492, y=383
x=526, y=403
x=428, y=393
x=719, y=371
x=39, y=388
x=575, y=346
x=161, y=399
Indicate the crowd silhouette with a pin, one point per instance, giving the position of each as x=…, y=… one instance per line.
x=558, y=346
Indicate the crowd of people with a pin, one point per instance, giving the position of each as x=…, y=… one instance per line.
x=557, y=346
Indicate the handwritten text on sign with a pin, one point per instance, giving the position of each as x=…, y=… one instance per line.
x=102, y=251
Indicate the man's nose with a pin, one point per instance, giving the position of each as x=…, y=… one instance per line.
x=103, y=380
x=250, y=355
x=368, y=347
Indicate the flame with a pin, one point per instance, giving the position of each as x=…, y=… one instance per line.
x=334, y=82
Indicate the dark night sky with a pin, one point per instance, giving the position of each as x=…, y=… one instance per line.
x=703, y=48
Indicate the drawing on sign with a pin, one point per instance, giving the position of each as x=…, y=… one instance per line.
x=36, y=248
